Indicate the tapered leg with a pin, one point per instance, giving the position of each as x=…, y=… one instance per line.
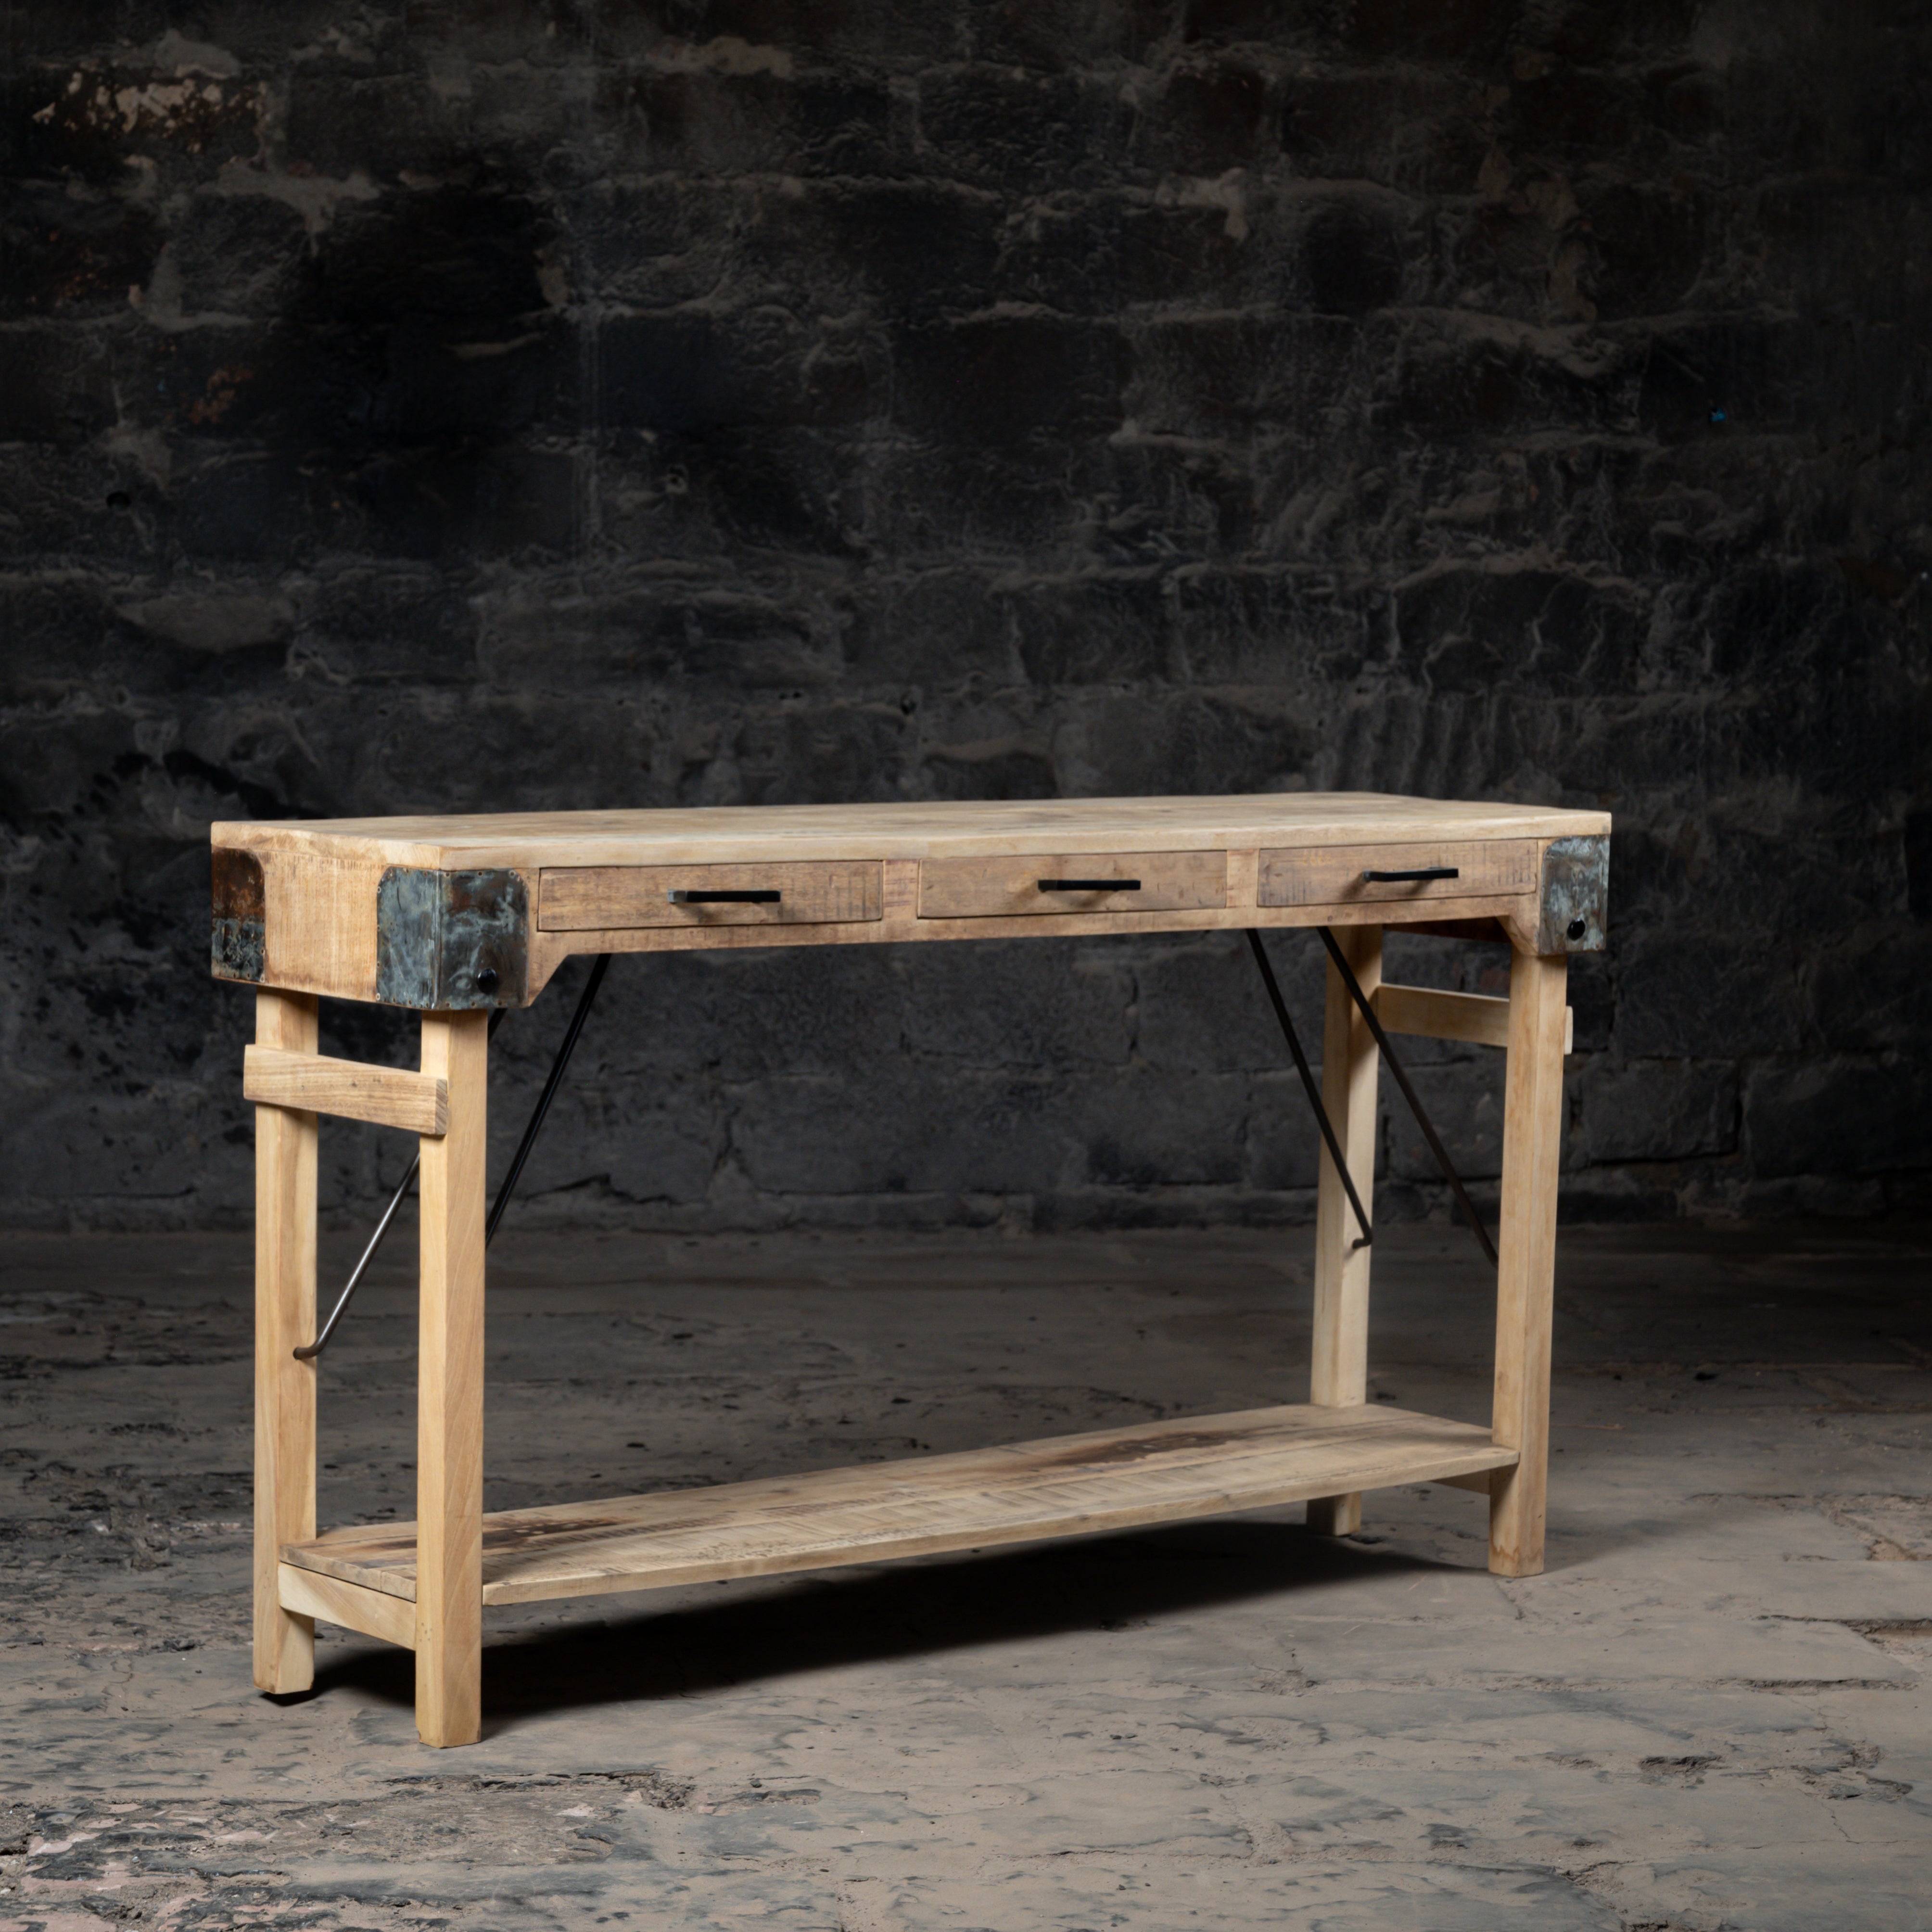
x=1349, y=1066
x=1526, y=1250
x=285, y=1176
x=449, y=1392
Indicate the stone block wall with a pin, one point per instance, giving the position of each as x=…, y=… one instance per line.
x=538, y=404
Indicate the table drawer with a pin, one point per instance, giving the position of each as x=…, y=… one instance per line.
x=608, y=899
x=1335, y=874
x=1074, y=882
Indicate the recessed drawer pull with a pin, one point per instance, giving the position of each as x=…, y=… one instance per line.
x=1090, y=885
x=697, y=898
x=1421, y=872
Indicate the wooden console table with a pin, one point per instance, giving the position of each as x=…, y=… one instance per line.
x=455, y=917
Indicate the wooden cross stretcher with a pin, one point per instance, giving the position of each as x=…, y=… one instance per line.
x=459, y=918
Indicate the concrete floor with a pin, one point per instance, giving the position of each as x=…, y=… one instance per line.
x=1712, y=1711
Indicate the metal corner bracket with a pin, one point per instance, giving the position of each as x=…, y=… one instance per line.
x=450, y=942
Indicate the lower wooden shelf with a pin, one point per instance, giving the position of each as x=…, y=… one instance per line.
x=1065, y=1486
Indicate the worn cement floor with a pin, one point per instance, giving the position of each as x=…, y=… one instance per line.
x=1711, y=1712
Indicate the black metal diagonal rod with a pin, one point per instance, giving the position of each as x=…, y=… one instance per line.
x=403, y=1187
x=1408, y=1094
x=1313, y=1092
x=321, y=1342
x=502, y=1200
x=549, y=1094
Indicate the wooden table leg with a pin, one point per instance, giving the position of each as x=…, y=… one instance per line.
x=449, y=1392
x=1350, y=1065
x=1526, y=1249
x=285, y=1181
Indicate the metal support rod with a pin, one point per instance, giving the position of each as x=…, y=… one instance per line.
x=562, y=1060
x=321, y=1342
x=503, y=1193
x=403, y=1187
x=1408, y=1094
x=1309, y=1087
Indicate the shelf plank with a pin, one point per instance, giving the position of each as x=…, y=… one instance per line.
x=1065, y=1486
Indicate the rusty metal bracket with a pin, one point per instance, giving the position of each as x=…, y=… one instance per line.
x=447, y=942
x=1573, y=903
x=237, y=940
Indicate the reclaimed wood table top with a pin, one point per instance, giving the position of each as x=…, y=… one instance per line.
x=443, y=913
x=933, y=828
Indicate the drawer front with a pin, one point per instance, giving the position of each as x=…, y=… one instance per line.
x=607, y=898
x=1335, y=874
x=1077, y=882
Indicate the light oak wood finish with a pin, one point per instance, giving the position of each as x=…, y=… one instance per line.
x=311, y=1594
x=1009, y=886
x=763, y=834
x=1339, y=1375
x=321, y=879
x=320, y=918
x=385, y=1096
x=549, y=949
x=1473, y=1018
x=1074, y=1485
x=590, y=899
x=1335, y=875
x=449, y=1416
x=285, y=1193
x=482, y=908
x=1526, y=1250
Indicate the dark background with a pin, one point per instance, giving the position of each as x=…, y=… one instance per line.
x=479, y=406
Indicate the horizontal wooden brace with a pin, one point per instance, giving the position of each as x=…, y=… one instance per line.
x=1472, y=1017
x=354, y=1605
x=1479, y=1481
x=388, y=1096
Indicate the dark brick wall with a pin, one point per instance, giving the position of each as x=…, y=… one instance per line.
x=501, y=404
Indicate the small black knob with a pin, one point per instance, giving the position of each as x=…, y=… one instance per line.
x=486, y=980
x=1577, y=929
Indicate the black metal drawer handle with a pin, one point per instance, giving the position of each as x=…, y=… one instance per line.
x=761, y=897
x=1421, y=872
x=1090, y=885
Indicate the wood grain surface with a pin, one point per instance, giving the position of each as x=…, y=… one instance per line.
x=586, y=898
x=1429, y=1013
x=1010, y=886
x=933, y=829
x=355, y=1606
x=322, y=878
x=385, y=1096
x=1526, y=1250
x=1351, y=1066
x=449, y=1388
x=1331, y=875
x=286, y=1144
x=1106, y=1479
